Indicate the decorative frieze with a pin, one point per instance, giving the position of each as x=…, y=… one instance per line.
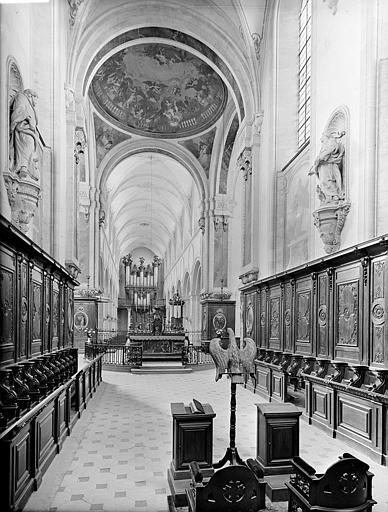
x=251, y=275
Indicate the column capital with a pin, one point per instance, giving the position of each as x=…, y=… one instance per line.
x=244, y=162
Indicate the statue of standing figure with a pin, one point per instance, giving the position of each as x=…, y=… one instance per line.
x=328, y=168
x=24, y=135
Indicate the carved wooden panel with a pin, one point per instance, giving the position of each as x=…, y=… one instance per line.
x=47, y=313
x=22, y=462
x=65, y=314
x=263, y=379
x=37, y=299
x=45, y=436
x=303, y=316
x=348, y=303
x=323, y=315
x=287, y=317
x=322, y=403
x=55, y=315
x=7, y=284
x=263, y=317
x=347, y=313
x=355, y=416
x=24, y=307
x=61, y=314
x=275, y=317
x=250, y=315
x=378, y=330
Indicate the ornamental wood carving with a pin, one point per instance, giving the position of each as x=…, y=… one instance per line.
x=303, y=305
x=377, y=311
x=287, y=316
x=347, y=314
x=36, y=311
x=24, y=307
x=322, y=331
x=263, y=317
x=274, y=308
x=6, y=305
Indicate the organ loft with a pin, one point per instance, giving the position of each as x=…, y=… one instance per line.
x=190, y=188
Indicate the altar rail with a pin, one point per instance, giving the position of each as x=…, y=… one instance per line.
x=28, y=445
x=322, y=326
x=194, y=355
x=115, y=355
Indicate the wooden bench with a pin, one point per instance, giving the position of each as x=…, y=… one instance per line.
x=234, y=488
x=346, y=485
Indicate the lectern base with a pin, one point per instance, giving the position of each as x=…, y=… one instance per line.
x=276, y=489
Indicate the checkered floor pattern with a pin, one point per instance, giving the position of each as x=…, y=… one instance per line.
x=117, y=456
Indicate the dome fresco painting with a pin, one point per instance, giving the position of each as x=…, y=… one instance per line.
x=158, y=90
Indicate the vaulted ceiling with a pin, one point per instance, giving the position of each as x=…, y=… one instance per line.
x=147, y=80
x=148, y=193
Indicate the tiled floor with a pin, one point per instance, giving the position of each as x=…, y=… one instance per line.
x=119, y=451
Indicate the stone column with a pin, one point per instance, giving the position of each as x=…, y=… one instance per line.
x=60, y=149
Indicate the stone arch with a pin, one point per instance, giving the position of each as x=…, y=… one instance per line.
x=89, y=41
x=132, y=147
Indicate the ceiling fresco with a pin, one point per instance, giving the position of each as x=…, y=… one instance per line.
x=158, y=90
x=106, y=138
x=227, y=153
x=201, y=147
x=175, y=36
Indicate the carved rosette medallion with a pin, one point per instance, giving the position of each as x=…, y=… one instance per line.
x=81, y=319
x=287, y=317
x=322, y=315
x=378, y=313
x=234, y=491
x=349, y=482
x=330, y=220
x=219, y=320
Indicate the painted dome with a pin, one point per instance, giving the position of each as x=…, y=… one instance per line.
x=158, y=90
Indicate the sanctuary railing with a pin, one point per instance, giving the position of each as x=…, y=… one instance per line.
x=115, y=355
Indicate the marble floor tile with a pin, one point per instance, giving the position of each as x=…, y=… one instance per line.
x=117, y=456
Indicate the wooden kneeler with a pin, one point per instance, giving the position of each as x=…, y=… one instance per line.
x=235, y=488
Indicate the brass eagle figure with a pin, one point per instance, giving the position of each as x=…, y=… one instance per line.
x=237, y=362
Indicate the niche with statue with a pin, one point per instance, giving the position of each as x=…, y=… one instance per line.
x=330, y=169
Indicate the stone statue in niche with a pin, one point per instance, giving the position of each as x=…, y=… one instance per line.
x=24, y=136
x=328, y=168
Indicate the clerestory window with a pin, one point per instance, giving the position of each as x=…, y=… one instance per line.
x=304, y=72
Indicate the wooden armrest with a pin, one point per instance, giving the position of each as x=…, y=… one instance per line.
x=347, y=456
x=196, y=473
x=254, y=466
x=301, y=465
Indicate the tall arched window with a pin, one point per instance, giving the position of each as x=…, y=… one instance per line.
x=304, y=72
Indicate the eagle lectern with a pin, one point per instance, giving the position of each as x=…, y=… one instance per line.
x=238, y=364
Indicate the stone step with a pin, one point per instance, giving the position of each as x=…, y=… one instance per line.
x=161, y=369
